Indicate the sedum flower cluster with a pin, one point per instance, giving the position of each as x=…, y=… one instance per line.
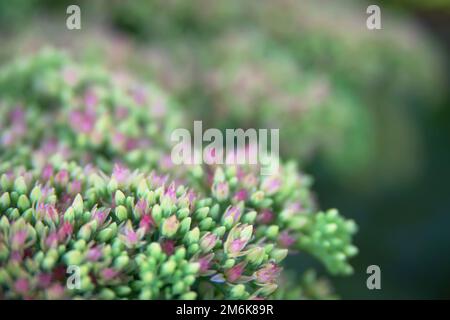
x=131, y=235
x=51, y=108
x=92, y=207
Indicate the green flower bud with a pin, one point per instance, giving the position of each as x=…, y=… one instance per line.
x=119, y=198
x=148, y=277
x=123, y=291
x=14, y=214
x=157, y=213
x=28, y=214
x=193, y=248
x=229, y=263
x=189, y=280
x=267, y=290
x=5, y=201
x=208, y=242
x=202, y=213
x=192, y=268
x=185, y=225
x=107, y=294
x=220, y=231
x=121, y=213
x=112, y=185
x=183, y=213
x=80, y=245
x=20, y=186
x=192, y=236
x=238, y=292
x=206, y=224
x=23, y=203
x=272, y=231
x=154, y=249
x=279, y=254
x=73, y=257
x=35, y=194
x=191, y=295
x=106, y=234
x=85, y=232
x=121, y=262
x=5, y=182
x=178, y=288
x=170, y=226
x=249, y=217
x=256, y=255
x=142, y=189
x=168, y=268
x=78, y=205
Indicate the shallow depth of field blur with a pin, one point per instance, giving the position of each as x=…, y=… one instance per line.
x=366, y=113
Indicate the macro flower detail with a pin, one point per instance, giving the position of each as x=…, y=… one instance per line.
x=94, y=189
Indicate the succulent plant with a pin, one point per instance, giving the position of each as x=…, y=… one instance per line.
x=130, y=221
x=79, y=113
x=134, y=237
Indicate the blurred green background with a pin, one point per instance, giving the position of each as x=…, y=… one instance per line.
x=365, y=112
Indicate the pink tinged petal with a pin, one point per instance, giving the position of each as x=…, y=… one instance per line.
x=146, y=222
x=120, y=173
x=52, y=239
x=168, y=247
x=237, y=245
x=271, y=185
x=140, y=96
x=75, y=187
x=22, y=286
x=47, y=172
x=65, y=231
x=265, y=216
x=166, y=162
x=131, y=144
x=286, y=240
x=233, y=274
x=16, y=256
x=62, y=177
x=121, y=113
x=94, y=254
x=171, y=192
x=132, y=237
x=109, y=273
x=268, y=273
x=56, y=291
x=44, y=280
x=159, y=108
x=90, y=99
x=233, y=212
x=70, y=76
x=19, y=238
x=101, y=215
x=241, y=195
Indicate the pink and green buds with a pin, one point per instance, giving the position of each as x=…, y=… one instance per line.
x=232, y=215
x=237, y=239
x=208, y=242
x=170, y=226
x=268, y=273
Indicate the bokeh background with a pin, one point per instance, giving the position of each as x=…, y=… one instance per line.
x=366, y=113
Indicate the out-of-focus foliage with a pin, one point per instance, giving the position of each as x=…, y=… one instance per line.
x=373, y=79
x=339, y=93
x=80, y=113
